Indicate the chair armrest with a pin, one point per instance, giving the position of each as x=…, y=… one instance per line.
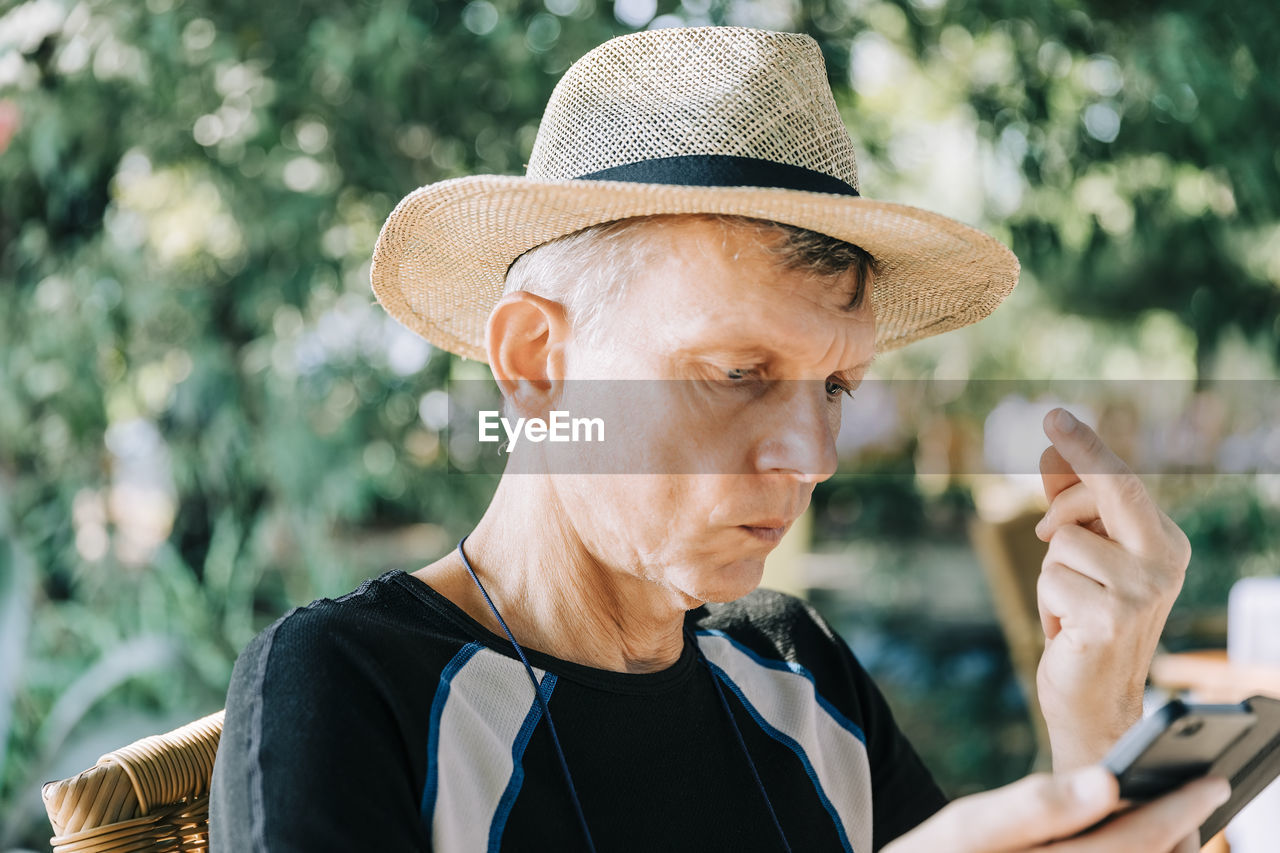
x=147, y=775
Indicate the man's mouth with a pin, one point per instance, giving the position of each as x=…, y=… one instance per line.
x=768, y=530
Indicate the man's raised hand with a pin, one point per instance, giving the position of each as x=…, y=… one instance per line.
x=1114, y=567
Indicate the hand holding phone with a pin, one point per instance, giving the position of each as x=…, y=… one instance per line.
x=1037, y=812
x=1181, y=742
x=1159, y=766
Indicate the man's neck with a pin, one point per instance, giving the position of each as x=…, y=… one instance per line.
x=554, y=593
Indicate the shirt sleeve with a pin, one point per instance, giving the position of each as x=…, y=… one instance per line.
x=904, y=792
x=311, y=757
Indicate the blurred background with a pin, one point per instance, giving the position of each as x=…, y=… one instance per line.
x=206, y=419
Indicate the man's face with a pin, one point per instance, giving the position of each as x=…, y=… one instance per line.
x=721, y=447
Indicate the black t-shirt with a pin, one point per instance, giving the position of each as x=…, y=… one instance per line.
x=390, y=720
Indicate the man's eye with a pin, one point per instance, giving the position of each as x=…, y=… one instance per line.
x=835, y=389
x=739, y=373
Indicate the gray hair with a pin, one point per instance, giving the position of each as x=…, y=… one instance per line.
x=588, y=270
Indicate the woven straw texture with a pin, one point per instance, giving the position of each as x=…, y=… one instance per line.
x=152, y=795
x=443, y=253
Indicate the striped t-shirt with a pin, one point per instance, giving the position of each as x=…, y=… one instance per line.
x=390, y=720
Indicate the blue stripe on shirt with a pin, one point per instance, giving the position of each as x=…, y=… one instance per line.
x=433, y=733
x=791, y=743
x=509, y=795
x=845, y=723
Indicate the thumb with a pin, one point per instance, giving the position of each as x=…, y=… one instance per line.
x=1190, y=844
x=1034, y=810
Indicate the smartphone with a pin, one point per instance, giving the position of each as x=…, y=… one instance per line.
x=1174, y=745
x=1183, y=741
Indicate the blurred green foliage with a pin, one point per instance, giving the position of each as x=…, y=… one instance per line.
x=205, y=419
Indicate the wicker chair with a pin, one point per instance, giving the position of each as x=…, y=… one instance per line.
x=1011, y=553
x=152, y=795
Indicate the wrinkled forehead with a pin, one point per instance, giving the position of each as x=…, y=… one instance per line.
x=782, y=336
x=721, y=288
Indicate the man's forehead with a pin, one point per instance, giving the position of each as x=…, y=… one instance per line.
x=755, y=254
x=720, y=287
x=740, y=350
x=767, y=337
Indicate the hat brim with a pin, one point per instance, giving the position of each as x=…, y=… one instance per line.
x=442, y=256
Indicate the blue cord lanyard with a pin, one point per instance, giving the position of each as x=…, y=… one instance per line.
x=555, y=738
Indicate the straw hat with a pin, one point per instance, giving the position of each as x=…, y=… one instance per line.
x=681, y=120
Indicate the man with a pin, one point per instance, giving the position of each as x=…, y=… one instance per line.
x=593, y=667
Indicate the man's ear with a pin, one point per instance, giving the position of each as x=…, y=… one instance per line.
x=525, y=339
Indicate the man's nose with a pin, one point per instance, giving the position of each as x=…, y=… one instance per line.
x=798, y=434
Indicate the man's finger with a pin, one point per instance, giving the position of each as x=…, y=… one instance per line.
x=1125, y=507
x=1073, y=505
x=1056, y=473
x=1158, y=825
x=1092, y=556
x=1107, y=563
x=1190, y=844
x=1063, y=593
x=1031, y=811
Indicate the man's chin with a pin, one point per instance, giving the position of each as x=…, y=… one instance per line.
x=726, y=583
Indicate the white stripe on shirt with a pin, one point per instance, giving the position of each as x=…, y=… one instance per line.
x=484, y=712
x=784, y=701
